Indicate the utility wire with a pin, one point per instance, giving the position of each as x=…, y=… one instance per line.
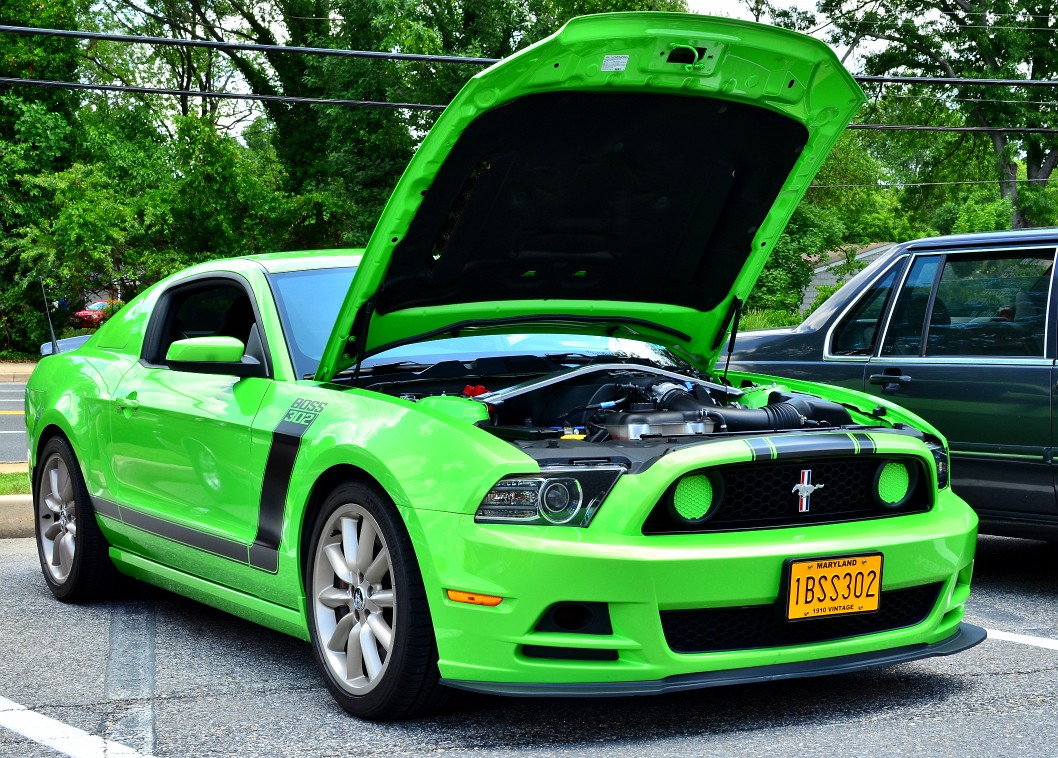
x=431, y=107
x=220, y=95
x=956, y=81
x=250, y=47
x=902, y=185
x=983, y=129
x=243, y=46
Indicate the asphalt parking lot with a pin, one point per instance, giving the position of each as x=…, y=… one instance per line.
x=153, y=673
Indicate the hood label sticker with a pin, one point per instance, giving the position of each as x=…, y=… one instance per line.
x=614, y=62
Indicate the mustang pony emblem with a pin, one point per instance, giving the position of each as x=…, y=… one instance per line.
x=804, y=490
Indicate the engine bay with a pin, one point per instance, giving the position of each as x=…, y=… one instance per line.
x=607, y=402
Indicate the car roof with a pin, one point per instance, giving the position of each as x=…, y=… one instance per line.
x=1047, y=235
x=300, y=260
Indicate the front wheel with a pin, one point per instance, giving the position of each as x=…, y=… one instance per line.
x=368, y=618
x=74, y=554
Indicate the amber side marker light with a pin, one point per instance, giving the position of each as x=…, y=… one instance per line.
x=473, y=598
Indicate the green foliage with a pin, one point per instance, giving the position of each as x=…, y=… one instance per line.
x=1005, y=39
x=760, y=318
x=983, y=216
x=812, y=231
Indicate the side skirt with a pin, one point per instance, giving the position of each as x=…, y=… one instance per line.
x=245, y=606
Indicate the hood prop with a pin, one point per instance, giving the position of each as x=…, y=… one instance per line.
x=737, y=304
x=359, y=331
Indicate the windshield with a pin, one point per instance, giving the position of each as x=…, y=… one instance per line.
x=576, y=348
x=308, y=304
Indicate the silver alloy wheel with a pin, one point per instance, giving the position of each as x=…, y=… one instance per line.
x=355, y=601
x=57, y=512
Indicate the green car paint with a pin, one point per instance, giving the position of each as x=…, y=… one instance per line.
x=778, y=71
x=525, y=534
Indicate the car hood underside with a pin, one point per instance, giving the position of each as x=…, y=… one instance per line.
x=632, y=171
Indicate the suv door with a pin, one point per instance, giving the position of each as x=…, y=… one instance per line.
x=966, y=347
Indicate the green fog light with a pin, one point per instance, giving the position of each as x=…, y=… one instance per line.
x=894, y=483
x=694, y=498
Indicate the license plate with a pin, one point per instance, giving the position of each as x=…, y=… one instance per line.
x=835, y=586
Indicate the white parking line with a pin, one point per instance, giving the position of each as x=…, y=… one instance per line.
x=58, y=736
x=1022, y=639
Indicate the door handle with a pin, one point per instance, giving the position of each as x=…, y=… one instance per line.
x=889, y=379
x=127, y=403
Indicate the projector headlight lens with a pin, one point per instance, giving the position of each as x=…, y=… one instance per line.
x=568, y=496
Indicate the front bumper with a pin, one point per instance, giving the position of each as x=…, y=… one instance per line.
x=498, y=649
x=967, y=636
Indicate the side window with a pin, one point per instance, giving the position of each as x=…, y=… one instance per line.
x=857, y=332
x=904, y=333
x=985, y=305
x=205, y=309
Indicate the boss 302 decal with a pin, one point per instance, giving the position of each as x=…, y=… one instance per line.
x=286, y=440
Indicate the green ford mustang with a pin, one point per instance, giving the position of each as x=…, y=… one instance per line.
x=491, y=450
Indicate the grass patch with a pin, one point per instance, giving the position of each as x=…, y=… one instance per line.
x=754, y=318
x=14, y=484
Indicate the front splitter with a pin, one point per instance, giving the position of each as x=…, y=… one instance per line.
x=967, y=636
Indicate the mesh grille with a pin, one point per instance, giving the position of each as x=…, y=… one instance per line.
x=693, y=496
x=710, y=630
x=761, y=495
x=893, y=482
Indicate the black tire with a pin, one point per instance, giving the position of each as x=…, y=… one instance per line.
x=74, y=554
x=369, y=621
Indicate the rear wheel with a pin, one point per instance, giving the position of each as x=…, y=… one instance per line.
x=73, y=551
x=368, y=617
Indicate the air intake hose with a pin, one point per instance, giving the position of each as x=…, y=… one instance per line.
x=673, y=397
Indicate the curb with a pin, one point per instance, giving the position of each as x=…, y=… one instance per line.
x=16, y=516
x=13, y=377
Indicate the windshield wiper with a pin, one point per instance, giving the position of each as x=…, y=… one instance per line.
x=385, y=368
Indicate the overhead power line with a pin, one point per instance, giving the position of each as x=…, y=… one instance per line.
x=244, y=46
x=903, y=185
x=984, y=129
x=219, y=95
x=432, y=107
x=253, y=47
x=956, y=81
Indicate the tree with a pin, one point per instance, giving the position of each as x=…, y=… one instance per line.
x=34, y=138
x=1006, y=39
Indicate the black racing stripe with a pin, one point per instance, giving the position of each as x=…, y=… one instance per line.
x=280, y=465
x=210, y=543
x=867, y=446
x=761, y=450
x=815, y=445
x=286, y=441
x=106, y=508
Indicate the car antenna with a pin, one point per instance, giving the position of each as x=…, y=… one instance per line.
x=47, y=312
x=734, y=334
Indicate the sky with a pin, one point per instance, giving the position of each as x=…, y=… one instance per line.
x=732, y=8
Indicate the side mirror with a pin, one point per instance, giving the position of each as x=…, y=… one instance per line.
x=213, y=355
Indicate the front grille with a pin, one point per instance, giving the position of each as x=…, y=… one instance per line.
x=710, y=630
x=761, y=495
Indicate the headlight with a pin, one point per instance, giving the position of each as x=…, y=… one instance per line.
x=940, y=455
x=567, y=496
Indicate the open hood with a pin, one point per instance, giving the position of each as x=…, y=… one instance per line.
x=628, y=176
